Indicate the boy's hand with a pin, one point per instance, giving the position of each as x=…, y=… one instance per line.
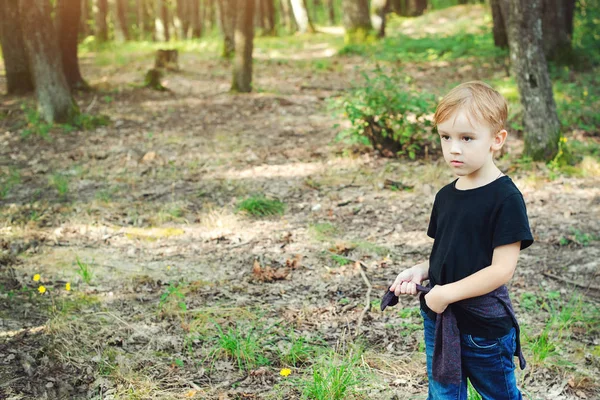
x=406, y=282
x=437, y=299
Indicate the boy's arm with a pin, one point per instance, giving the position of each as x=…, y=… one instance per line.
x=504, y=263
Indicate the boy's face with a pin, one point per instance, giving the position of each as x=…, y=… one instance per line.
x=468, y=144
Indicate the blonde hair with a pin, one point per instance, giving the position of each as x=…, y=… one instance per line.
x=479, y=100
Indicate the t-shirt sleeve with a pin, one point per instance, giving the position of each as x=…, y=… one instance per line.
x=433, y=221
x=512, y=224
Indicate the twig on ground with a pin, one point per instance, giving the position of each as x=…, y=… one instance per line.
x=572, y=282
x=368, y=298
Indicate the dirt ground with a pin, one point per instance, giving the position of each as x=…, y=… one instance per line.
x=152, y=200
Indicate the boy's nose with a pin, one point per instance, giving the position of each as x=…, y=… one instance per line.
x=455, y=148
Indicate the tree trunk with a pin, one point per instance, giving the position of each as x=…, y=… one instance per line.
x=244, y=38
x=499, y=29
x=18, y=75
x=286, y=15
x=121, y=20
x=162, y=21
x=227, y=13
x=209, y=14
x=419, y=7
x=84, y=26
x=140, y=17
x=67, y=17
x=357, y=21
x=196, y=18
x=55, y=102
x=268, y=16
x=101, y=12
x=555, y=28
x=184, y=17
x=301, y=16
x=331, y=11
x=542, y=127
x=380, y=8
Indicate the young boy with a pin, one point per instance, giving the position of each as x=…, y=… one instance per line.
x=479, y=224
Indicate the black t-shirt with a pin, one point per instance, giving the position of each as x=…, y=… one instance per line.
x=467, y=226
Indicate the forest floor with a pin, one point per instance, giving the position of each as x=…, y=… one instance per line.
x=175, y=293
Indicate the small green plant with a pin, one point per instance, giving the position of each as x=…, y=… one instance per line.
x=299, y=352
x=242, y=345
x=61, y=183
x=322, y=231
x=341, y=261
x=389, y=116
x=86, y=122
x=472, y=393
x=334, y=377
x=260, y=206
x=84, y=271
x=173, y=295
x=35, y=124
x=10, y=181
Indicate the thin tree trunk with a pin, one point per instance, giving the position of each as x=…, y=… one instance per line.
x=162, y=21
x=18, y=75
x=55, y=102
x=67, y=16
x=499, y=28
x=85, y=16
x=419, y=7
x=196, y=19
x=542, y=127
x=331, y=11
x=184, y=17
x=380, y=9
x=140, y=16
x=301, y=16
x=227, y=12
x=286, y=15
x=244, y=38
x=357, y=21
x=268, y=15
x=555, y=28
x=101, y=13
x=120, y=17
x=209, y=14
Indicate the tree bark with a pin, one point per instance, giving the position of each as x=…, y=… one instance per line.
x=162, y=21
x=286, y=15
x=357, y=21
x=84, y=26
x=244, y=38
x=227, y=12
x=331, y=11
x=101, y=12
x=121, y=20
x=67, y=17
x=301, y=16
x=140, y=18
x=499, y=28
x=268, y=15
x=18, y=75
x=542, y=127
x=380, y=8
x=55, y=102
x=196, y=18
x=555, y=28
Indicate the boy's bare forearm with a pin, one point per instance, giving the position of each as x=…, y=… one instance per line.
x=423, y=268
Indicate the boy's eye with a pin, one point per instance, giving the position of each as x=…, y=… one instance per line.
x=445, y=137
x=467, y=139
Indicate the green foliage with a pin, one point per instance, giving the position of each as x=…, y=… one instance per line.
x=341, y=261
x=260, y=206
x=9, y=181
x=173, y=296
x=35, y=124
x=578, y=237
x=383, y=109
x=472, y=393
x=577, y=98
x=60, y=183
x=84, y=271
x=299, y=351
x=334, y=377
x=243, y=346
x=86, y=122
x=586, y=32
x=322, y=231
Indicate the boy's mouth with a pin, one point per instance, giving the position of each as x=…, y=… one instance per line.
x=455, y=162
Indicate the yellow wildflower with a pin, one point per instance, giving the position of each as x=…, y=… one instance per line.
x=68, y=286
x=36, y=277
x=42, y=289
x=285, y=372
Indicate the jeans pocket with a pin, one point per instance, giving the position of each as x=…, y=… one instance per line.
x=481, y=343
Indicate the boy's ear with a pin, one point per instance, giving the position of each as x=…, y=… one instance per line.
x=499, y=139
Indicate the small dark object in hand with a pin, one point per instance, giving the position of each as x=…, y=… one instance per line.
x=390, y=299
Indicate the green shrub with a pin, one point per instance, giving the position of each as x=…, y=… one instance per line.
x=259, y=206
x=389, y=117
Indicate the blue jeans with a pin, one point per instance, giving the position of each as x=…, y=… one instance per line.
x=488, y=363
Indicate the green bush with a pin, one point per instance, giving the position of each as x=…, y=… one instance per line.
x=389, y=117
